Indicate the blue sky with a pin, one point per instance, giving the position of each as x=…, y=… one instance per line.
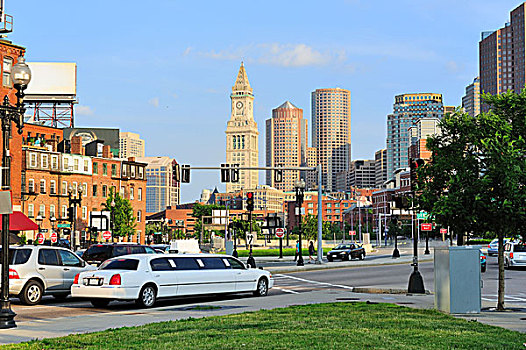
x=164, y=69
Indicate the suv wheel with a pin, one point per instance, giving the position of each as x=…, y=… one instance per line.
x=362, y=256
x=32, y=293
x=147, y=296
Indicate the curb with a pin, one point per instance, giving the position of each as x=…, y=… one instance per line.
x=372, y=290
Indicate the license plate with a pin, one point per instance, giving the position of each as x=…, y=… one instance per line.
x=94, y=281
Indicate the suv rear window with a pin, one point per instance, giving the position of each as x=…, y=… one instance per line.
x=18, y=256
x=97, y=252
x=120, y=264
x=519, y=248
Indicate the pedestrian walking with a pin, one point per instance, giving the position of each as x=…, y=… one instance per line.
x=311, y=251
x=297, y=252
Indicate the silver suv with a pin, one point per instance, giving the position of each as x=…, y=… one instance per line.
x=38, y=270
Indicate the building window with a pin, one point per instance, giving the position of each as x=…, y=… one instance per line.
x=76, y=164
x=114, y=170
x=95, y=168
x=6, y=74
x=124, y=170
x=85, y=189
x=44, y=161
x=30, y=210
x=66, y=164
x=64, y=212
x=132, y=168
x=141, y=172
x=131, y=193
x=42, y=186
x=84, y=213
x=104, y=169
x=52, y=187
x=139, y=216
x=104, y=191
x=42, y=210
x=86, y=165
x=122, y=191
x=75, y=188
x=94, y=190
x=31, y=186
x=32, y=160
x=52, y=211
x=64, y=188
x=54, y=162
x=139, y=194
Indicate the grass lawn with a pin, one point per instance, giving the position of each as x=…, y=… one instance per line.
x=275, y=252
x=320, y=326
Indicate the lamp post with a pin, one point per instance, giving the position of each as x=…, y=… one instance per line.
x=53, y=220
x=39, y=220
x=300, y=189
x=74, y=201
x=112, y=216
x=21, y=76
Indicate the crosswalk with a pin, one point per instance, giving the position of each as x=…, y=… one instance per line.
x=296, y=285
x=519, y=298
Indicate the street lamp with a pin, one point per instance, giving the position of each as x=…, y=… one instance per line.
x=39, y=220
x=112, y=215
x=53, y=220
x=300, y=190
x=74, y=201
x=21, y=76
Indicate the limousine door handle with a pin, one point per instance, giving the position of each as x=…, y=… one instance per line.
x=157, y=276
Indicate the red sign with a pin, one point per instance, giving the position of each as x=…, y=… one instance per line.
x=106, y=235
x=443, y=230
x=426, y=227
x=280, y=232
x=40, y=238
x=352, y=233
x=54, y=237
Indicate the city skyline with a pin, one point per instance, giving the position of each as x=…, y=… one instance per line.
x=179, y=93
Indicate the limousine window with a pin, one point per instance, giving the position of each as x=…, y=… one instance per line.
x=235, y=264
x=120, y=264
x=161, y=264
x=213, y=263
x=186, y=263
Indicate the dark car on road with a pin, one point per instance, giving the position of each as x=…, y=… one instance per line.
x=96, y=254
x=346, y=251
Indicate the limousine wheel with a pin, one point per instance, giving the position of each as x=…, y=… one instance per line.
x=147, y=296
x=262, y=288
x=100, y=302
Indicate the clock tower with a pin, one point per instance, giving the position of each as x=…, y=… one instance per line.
x=242, y=134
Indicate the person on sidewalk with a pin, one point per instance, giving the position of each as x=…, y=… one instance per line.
x=311, y=251
x=297, y=252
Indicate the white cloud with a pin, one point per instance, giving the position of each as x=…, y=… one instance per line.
x=83, y=110
x=454, y=67
x=187, y=51
x=174, y=95
x=154, y=101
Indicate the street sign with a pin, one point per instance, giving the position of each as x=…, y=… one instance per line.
x=40, y=238
x=422, y=215
x=443, y=230
x=63, y=225
x=426, y=227
x=352, y=233
x=280, y=232
x=54, y=237
x=106, y=235
x=250, y=238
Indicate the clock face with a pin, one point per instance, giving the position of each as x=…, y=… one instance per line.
x=239, y=104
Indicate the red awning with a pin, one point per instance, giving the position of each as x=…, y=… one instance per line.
x=18, y=221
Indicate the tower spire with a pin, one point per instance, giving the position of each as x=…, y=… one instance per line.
x=242, y=83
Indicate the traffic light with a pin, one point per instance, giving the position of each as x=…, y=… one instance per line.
x=234, y=173
x=70, y=214
x=176, y=173
x=278, y=175
x=250, y=201
x=414, y=164
x=185, y=173
x=225, y=173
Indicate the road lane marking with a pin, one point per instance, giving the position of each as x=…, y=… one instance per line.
x=287, y=290
x=317, y=282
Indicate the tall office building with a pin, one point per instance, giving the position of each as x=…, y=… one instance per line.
x=311, y=178
x=419, y=133
x=242, y=134
x=501, y=56
x=161, y=188
x=471, y=101
x=130, y=145
x=331, y=132
x=407, y=110
x=361, y=174
x=380, y=166
x=286, y=144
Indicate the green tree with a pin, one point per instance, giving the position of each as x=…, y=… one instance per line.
x=121, y=214
x=309, y=228
x=476, y=177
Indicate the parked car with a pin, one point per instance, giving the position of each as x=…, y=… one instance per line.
x=346, y=252
x=483, y=262
x=79, y=252
x=38, y=270
x=96, y=254
x=64, y=243
x=493, y=247
x=145, y=278
x=514, y=254
x=164, y=248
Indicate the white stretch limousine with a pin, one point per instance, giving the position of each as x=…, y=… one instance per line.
x=146, y=277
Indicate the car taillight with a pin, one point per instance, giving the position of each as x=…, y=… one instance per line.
x=511, y=255
x=76, y=279
x=489, y=246
x=13, y=275
x=115, y=280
